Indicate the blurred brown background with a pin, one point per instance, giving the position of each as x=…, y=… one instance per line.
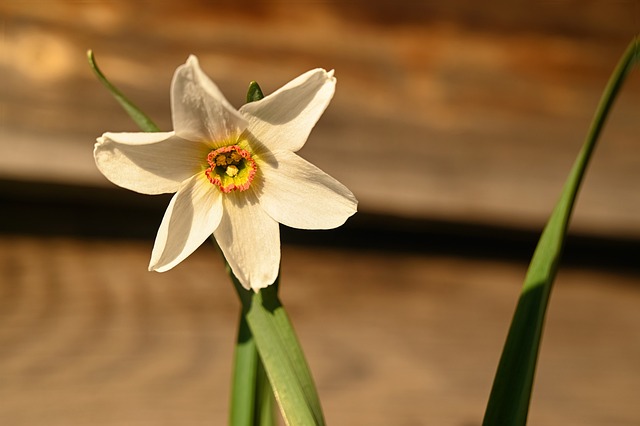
x=480, y=106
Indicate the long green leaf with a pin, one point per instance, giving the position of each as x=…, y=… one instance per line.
x=265, y=400
x=281, y=355
x=511, y=393
x=269, y=331
x=252, y=400
x=140, y=118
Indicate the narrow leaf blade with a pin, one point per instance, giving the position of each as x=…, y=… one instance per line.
x=140, y=118
x=281, y=355
x=243, y=389
x=511, y=392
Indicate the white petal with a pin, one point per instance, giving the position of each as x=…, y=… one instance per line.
x=298, y=194
x=150, y=163
x=200, y=111
x=250, y=240
x=193, y=214
x=284, y=119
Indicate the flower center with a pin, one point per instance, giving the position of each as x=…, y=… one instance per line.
x=231, y=168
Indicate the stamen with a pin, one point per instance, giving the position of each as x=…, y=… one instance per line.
x=221, y=160
x=231, y=168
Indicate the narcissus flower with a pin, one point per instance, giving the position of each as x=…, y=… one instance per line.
x=235, y=173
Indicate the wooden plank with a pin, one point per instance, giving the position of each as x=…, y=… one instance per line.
x=442, y=112
x=89, y=336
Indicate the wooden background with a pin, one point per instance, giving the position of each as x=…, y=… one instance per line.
x=486, y=106
x=456, y=120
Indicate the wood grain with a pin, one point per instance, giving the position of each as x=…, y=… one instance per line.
x=88, y=336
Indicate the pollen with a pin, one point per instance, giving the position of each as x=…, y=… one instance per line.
x=231, y=168
x=221, y=160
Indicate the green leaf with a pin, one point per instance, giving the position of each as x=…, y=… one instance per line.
x=252, y=399
x=254, y=93
x=265, y=400
x=140, y=118
x=511, y=393
x=281, y=355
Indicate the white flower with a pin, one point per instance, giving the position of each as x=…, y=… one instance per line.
x=234, y=173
